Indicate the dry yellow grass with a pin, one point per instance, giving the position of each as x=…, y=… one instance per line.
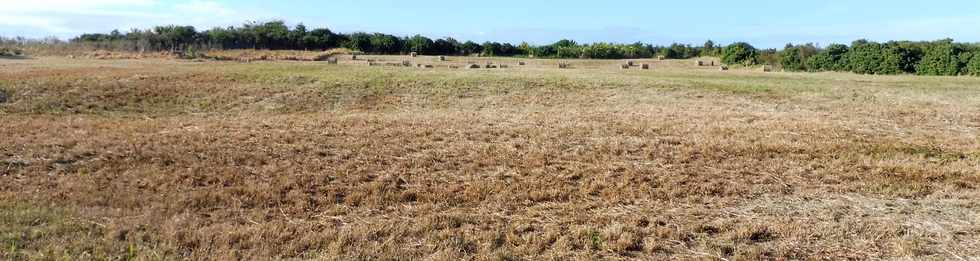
x=165, y=159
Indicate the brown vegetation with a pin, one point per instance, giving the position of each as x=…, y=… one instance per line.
x=168, y=159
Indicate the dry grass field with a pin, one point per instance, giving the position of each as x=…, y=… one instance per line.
x=167, y=159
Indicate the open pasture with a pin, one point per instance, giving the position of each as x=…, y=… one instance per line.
x=171, y=159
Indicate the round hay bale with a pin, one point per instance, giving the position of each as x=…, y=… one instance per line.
x=630, y=63
x=645, y=66
x=442, y=58
x=521, y=63
x=413, y=54
x=699, y=63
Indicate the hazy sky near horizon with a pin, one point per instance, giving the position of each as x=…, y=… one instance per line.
x=763, y=23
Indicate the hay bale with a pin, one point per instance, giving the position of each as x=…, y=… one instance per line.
x=429, y=66
x=630, y=63
x=322, y=57
x=442, y=58
x=699, y=63
x=625, y=66
x=414, y=54
x=661, y=57
x=473, y=66
x=521, y=63
x=645, y=66
x=503, y=66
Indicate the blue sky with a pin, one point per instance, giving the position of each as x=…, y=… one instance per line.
x=761, y=22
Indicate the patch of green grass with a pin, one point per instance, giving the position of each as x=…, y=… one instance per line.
x=32, y=231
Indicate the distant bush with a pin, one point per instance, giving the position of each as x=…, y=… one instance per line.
x=740, y=53
x=385, y=44
x=419, y=44
x=602, y=51
x=794, y=58
x=872, y=58
x=941, y=58
x=359, y=42
x=832, y=58
x=973, y=66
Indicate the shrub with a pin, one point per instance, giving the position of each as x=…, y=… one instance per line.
x=791, y=59
x=833, y=58
x=973, y=67
x=820, y=62
x=602, y=51
x=470, y=47
x=359, y=42
x=941, y=58
x=872, y=58
x=907, y=54
x=740, y=53
x=419, y=44
x=385, y=44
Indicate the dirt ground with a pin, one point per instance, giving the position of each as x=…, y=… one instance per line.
x=169, y=159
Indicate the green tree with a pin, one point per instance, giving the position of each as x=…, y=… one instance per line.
x=941, y=58
x=872, y=58
x=175, y=37
x=740, y=53
x=791, y=59
x=469, y=47
x=419, y=44
x=385, y=44
x=973, y=66
x=709, y=49
x=359, y=42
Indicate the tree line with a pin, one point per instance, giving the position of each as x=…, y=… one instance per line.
x=943, y=57
x=277, y=35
